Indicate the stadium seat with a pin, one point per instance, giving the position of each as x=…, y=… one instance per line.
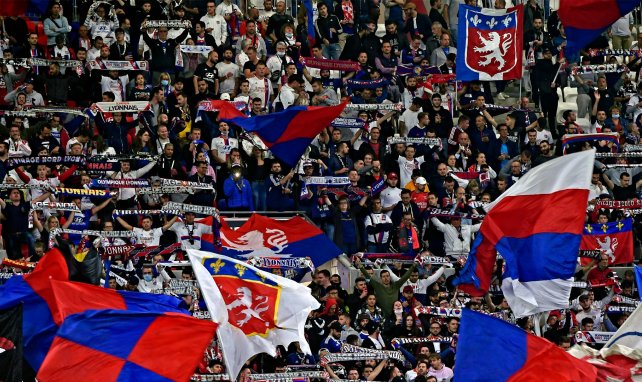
x=42, y=37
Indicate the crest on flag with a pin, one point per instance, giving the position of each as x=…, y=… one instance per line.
x=247, y=303
x=254, y=243
x=492, y=41
x=615, y=239
x=250, y=298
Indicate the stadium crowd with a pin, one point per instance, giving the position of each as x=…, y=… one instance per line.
x=422, y=157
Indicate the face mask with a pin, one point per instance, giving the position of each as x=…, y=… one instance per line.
x=289, y=35
x=398, y=311
x=164, y=82
x=147, y=278
x=280, y=54
x=615, y=116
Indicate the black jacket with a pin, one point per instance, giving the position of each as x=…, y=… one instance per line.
x=164, y=53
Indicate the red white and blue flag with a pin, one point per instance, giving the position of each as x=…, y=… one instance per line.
x=585, y=20
x=489, y=346
x=121, y=345
x=288, y=133
x=255, y=310
x=490, y=43
x=536, y=225
x=48, y=298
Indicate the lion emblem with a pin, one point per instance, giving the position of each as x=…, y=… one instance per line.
x=608, y=246
x=248, y=307
x=254, y=241
x=494, y=48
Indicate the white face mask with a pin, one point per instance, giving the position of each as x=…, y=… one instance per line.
x=280, y=54
x=398, y=312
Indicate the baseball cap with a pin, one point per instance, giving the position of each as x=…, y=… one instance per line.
x=407, y=289
x=392, y=175
x=225, y=97
x=421, y=180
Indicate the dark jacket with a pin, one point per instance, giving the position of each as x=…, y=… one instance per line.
x=323, y=25
x=164, y=53
x=397, y=215
x=496, y=150
x=424, y=26
x=117, y=52
x=338, y=228
x=57, y=88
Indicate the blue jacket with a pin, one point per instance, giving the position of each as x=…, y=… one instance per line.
x=238, y=198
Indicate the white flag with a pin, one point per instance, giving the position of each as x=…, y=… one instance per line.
x=625, y=347
x=255, y=310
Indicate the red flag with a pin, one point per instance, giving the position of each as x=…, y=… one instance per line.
x=72, y=298
x=614, y=238
x=225, y=109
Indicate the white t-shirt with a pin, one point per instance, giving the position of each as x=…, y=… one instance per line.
x=261, y=88
x=183, y=231
x=116, y=86
x=148, y=238
x=223, y=146
x=406, y=167
x=409, y=118
x=228, y=84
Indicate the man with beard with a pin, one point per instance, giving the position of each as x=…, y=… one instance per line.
x=276, y=23
x=201, y=37
x=228, y=72
x=279, y=189
x=332, y=84
x=545, y=153
x=365, y=69
x=208, y=72
x=168, y=166
x=397, y=40
x=440, y=118
x=255, y=39
x=374, y=145
x=364, y=41
x=322, y=96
